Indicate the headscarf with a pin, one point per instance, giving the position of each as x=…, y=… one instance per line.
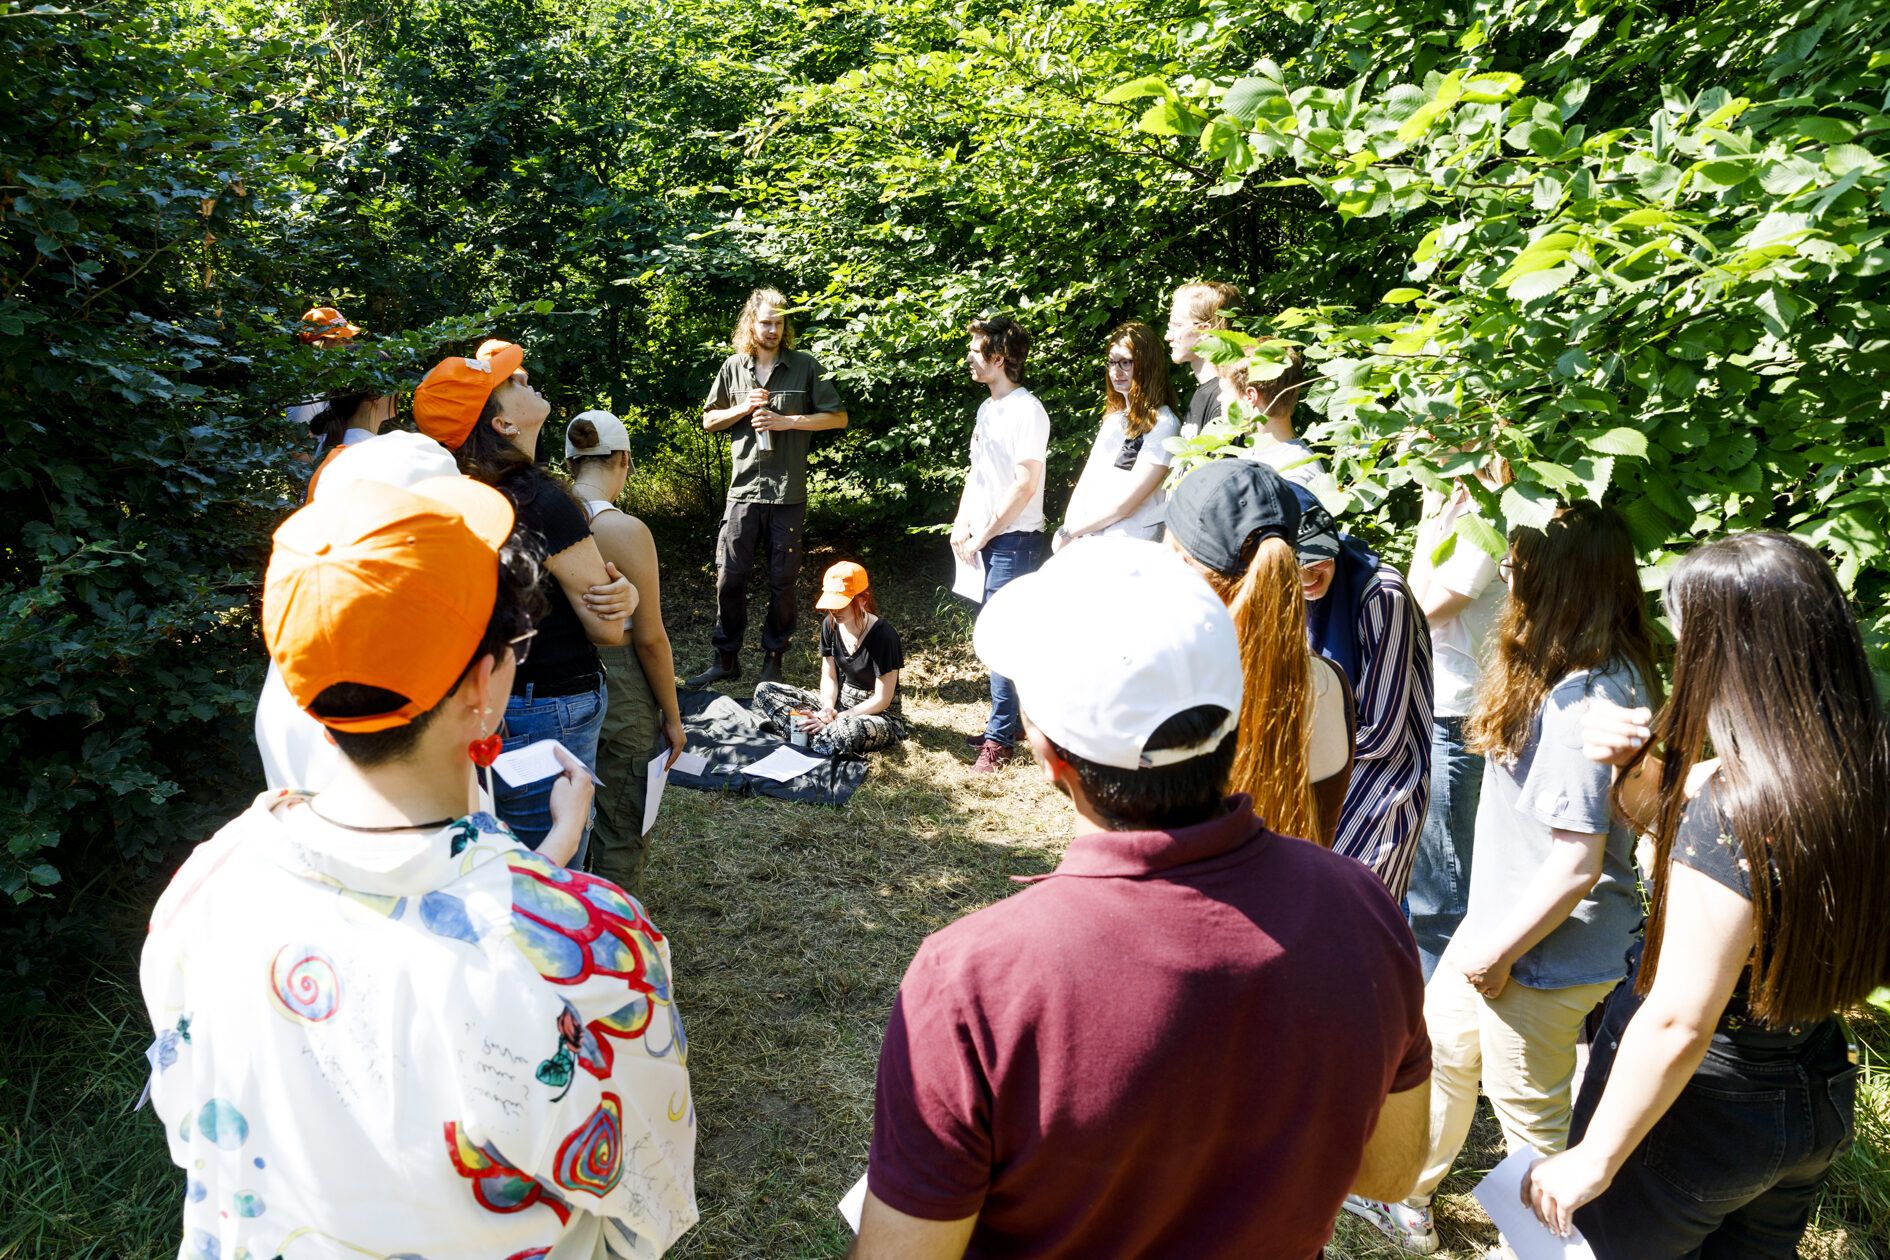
x=1332, y=621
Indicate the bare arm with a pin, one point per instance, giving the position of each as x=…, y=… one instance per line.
x=625, y=542
x=1707, y=941
x=578, y=568
x=767, y=421
x=1024, y=485
x=829, y=684
x=883, y=688
x=889, y=1234
x=715, y=419
x=1394, y=1154
x=1560, y=883
x=1440, y=603
x=1142, y=484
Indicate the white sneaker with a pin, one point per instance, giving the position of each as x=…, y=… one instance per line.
x=1407, y=1224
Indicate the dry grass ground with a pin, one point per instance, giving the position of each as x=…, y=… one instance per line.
x=792, y=924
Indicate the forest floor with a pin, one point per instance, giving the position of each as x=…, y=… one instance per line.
x=791, y=926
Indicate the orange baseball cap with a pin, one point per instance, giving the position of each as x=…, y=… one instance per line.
x=327, y=322
x=386, y=587
x=841, y=583
x=447, y=403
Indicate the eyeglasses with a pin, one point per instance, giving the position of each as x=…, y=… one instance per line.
x=1120, y=365
x=521, y=645
x=1506, y=568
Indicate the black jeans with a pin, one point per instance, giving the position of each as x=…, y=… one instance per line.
x=1732, y=1171
x=748, y=528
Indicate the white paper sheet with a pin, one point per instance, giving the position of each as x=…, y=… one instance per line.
x=690, y=763
x=969, y=578
x=853, y=1202
x=783, y=764
x=1500, y=1193
x=532, y=763
x=653, y=794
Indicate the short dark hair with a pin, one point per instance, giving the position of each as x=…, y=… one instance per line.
x=515, y=607
x=1005, y=338
x=1162, y=798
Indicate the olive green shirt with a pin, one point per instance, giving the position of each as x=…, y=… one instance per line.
x=798, y=386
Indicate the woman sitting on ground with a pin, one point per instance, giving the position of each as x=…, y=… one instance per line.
x=857, y=710
x=1120, y=490
x=1360, y=615
x=642, y=716
x=484, y=411
x=1553, y=897
x=1235, y=522
x=1720, y=1090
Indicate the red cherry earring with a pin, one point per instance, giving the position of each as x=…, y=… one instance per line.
x=485, y=751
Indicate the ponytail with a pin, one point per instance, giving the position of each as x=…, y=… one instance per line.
x=1276, y=708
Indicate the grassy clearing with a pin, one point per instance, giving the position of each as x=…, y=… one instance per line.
x=791, y=926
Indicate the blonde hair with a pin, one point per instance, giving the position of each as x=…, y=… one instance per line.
x=1202, y=302
x=1149, y=386
x=1293, y=379
x=1276, y=709
x=744, y=338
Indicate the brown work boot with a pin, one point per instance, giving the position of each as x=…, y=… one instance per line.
x=770, y=667
x=727, y=668
x=992, y=758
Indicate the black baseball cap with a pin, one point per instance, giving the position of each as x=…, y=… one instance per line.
x=1219, y=506
x=1318, y=532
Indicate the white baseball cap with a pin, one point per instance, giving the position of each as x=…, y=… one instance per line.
x=611, y=435
x=397, y=457
x=1109, y=639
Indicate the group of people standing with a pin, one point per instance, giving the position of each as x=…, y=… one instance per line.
x=1352, y=845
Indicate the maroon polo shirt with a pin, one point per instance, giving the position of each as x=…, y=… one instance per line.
x=1176, y=1044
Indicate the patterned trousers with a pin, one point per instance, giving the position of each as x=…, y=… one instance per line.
x=846, y=736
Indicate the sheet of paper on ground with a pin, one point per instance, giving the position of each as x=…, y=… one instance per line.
x=782, y=764
x=1500, y=1193
x=532, y=763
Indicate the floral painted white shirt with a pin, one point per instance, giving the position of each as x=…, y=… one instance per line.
x=414, y=1047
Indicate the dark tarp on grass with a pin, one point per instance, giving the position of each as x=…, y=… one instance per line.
x=732, y=735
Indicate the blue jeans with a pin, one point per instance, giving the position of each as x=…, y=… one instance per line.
x=1440, y=871
x=573, y=721
x=1005, y=557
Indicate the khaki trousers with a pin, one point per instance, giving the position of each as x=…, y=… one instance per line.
x=633, y=728
x=1521, y=1046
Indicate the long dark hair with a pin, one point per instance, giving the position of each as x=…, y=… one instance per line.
x=1770, y=669
x=1576, y=603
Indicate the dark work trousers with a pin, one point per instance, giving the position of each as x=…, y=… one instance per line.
x=1732, y=1170
x=749, y=529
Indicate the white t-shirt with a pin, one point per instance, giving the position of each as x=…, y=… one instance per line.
x=1101, y=487
x=1010, y=430
x=1295, y=461
x=1331, y=740
x=1457, y=644
x=436, y=1044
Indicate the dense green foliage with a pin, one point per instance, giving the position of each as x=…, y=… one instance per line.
x=1637, y=249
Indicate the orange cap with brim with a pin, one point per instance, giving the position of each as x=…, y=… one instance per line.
x=327, y=322
x=447, y=403
x=385, y=587
x=842, y=582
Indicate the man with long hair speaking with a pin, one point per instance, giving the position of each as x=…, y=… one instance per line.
x=770, y=398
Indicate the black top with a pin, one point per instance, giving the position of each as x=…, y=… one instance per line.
x=561, y=655
x=1203, y=406
x=1706, y=844
x=879, y=653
